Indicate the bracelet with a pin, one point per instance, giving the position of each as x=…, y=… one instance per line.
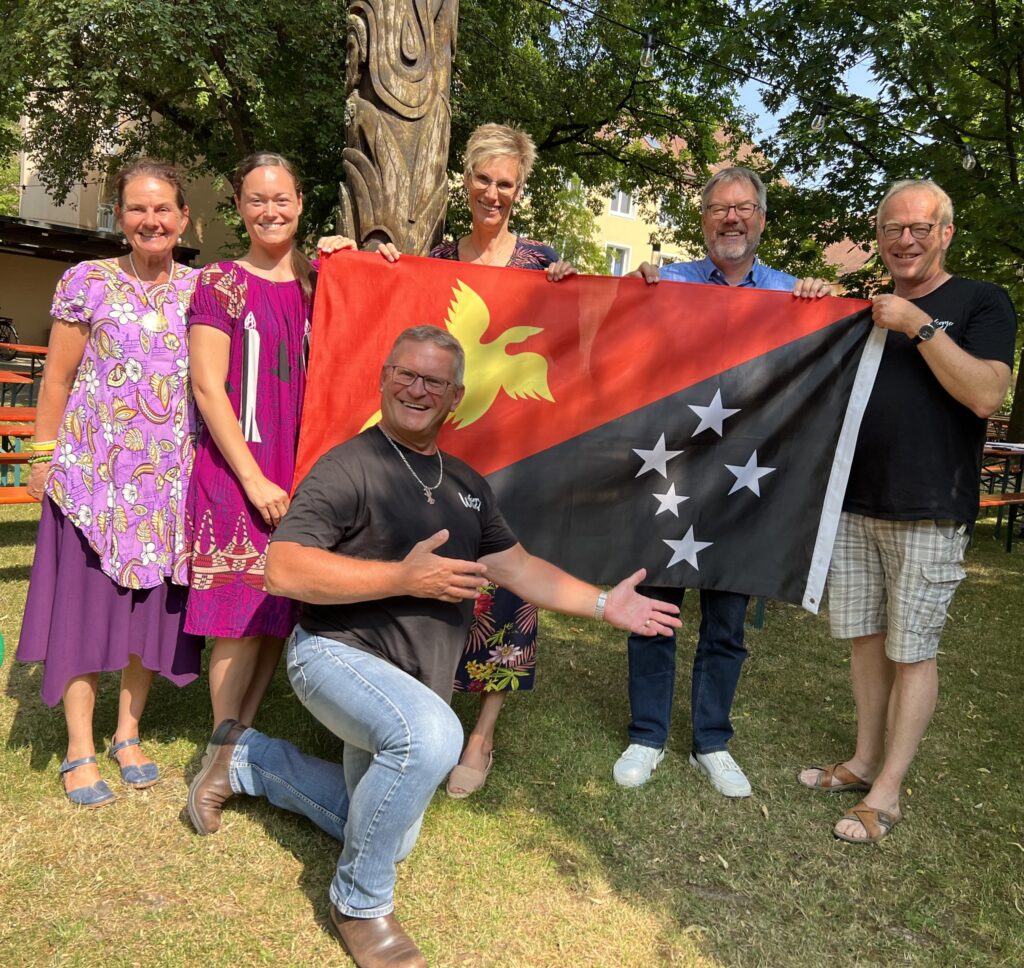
x=40, y=459
x=40, y=445
x=599, y=605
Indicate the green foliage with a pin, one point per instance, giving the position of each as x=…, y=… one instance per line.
x=205, y=83
x=947, y=77
x=9, y=194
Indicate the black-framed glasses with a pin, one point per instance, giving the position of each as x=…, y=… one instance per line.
x=919, y=230
x=743, y=210
x=407, y=377
x=504, y=187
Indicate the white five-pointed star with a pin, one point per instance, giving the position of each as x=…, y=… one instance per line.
x=669, y=501
x=748, y=475
x=686, y=548
x=712, y=415
x=657, y=459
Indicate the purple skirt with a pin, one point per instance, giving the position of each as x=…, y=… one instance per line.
x=77, y=621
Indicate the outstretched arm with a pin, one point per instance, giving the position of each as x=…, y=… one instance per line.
x=546, y=585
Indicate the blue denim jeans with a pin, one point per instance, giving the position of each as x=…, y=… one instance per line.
x=716, y=671
x=401, y=740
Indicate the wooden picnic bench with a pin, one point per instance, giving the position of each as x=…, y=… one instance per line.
x=1011, y=500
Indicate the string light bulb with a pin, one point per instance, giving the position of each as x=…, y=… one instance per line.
x=968, y=159
x=647, y=55
x=818, y=122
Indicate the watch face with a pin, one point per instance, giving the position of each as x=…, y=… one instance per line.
x=926, y=332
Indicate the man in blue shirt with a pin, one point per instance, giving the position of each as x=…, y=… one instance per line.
x=733, y=206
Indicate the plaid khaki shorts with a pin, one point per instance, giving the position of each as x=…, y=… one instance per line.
x=896, y=577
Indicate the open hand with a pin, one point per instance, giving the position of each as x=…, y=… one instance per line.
x=626, y=609
x=427, y=575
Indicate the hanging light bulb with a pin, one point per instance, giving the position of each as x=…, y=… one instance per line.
x=647, y=55
x=818, y=122
x=968, y=159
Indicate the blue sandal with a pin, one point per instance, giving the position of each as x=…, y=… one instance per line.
x=97, y=795
x=138, y=777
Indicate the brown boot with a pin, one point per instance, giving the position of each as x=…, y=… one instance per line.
x=210, y=789
x=376, y=942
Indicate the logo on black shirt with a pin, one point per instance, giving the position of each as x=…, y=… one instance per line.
x=469, y=501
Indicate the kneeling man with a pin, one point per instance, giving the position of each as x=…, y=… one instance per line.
x=388, y=542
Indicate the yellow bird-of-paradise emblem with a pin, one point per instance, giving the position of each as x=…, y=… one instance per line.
x=489, y=366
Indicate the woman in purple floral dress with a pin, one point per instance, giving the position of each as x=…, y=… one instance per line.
x=113, y=454
x=248, y=328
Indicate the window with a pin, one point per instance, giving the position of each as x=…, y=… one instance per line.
x=105, y=217
x=664, y=259
x=621, y=203
x=618, y=259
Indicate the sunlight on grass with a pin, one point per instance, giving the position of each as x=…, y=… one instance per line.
x=552, y=864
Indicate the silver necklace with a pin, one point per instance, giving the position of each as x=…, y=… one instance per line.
x=153, y=321
x=428, y=492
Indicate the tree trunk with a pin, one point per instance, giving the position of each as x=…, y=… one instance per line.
x=398, y=121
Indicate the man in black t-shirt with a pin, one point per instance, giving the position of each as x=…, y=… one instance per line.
x=388, y=543
x=912, y=496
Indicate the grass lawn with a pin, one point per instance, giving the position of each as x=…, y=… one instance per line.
x=553, y=864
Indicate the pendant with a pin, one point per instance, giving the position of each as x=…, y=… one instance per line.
x=429, y=494
x=153, y=322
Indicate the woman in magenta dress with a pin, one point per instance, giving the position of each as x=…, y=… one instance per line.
x=501, y=652
x=112, y=458
x=248, y=330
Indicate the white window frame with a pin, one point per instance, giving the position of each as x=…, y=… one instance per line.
x=105, y=220
x=624, y=252
x=630, y=207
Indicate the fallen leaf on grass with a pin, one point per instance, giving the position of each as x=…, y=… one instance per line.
x=764, y=810
x=722, y=861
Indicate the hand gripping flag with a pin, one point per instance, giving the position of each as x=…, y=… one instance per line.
x=702, y=432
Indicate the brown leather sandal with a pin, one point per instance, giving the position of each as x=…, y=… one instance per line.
x=847, y=780
x=876, y=824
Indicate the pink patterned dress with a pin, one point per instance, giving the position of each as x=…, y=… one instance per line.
x=268, y=323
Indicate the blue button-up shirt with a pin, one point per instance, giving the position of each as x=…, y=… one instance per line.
x=704, y=270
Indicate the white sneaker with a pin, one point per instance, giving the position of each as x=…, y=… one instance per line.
x=635, y=766
x=723, y=772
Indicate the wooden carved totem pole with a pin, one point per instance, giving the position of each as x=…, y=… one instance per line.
x=398, y=121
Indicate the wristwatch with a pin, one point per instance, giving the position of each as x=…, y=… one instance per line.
x=925, y=333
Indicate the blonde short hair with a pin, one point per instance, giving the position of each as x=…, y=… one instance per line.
x=500, y=141
x=943, y=201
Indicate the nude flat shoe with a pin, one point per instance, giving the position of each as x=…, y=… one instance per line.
x=464, y=780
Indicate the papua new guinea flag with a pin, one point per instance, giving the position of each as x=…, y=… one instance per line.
x=701, y=432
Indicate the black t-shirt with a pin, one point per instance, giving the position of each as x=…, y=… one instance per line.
x=918, y=455
x=360, y=500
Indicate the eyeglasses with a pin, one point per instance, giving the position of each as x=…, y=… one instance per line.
x=482, y=182
x=919, y=230
x=743, y=210
x=406, y=377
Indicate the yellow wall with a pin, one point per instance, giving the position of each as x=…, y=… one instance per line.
x=634, y=232
x=26, y=291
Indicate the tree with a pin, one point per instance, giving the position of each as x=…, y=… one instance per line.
x=206, y=82
x=948, y=103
